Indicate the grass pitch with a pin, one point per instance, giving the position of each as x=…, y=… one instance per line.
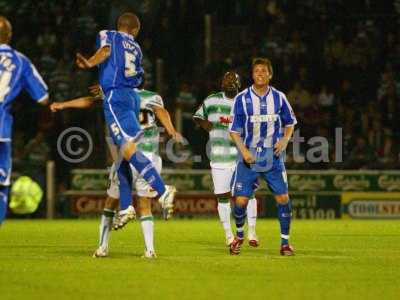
x=334, y=260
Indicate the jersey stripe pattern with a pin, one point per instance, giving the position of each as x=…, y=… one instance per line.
x=150, y=141
x=216, y=109
x=16, y=73
x=260, y=120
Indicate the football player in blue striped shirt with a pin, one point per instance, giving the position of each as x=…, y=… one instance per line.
x=262, y=125
x=16, y=73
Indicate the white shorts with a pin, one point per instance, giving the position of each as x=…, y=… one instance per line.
x=222, y=179
x=142, y=188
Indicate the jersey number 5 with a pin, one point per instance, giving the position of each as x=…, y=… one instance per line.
x=5, y=78
x=130, y=67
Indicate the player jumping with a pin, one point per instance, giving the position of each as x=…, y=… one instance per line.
x=151, y=106
x=119, y=59
x=262, y=125
x=213, y=116
x=16, y=73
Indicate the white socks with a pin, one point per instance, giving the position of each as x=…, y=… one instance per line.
x=252, y=217
x=105, y=227
x=148, y=232
x=224, y=212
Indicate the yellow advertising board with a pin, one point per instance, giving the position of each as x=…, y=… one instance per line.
x=371, y=205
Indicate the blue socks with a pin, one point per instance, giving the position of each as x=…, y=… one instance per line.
x=146, y=169
x=3, y=202
x=125, y=185
x=285, y=216
x=240, y=215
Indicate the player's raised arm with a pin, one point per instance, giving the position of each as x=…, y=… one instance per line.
x=79, y=103
x=103, y=52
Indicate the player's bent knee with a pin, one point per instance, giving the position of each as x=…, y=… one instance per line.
x=111, y=203
x=128, y=149
x=282, y=199
x=144, y=206
x=242, y=201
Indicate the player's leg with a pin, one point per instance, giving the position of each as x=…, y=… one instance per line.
x=251, y=221
x=147, y=224
x=127, y=211
x=5, y=175
x=242, y=188
x=121, y=109
x=146, y=194
x=222, y=180
x=105, y=226
x=277, y=182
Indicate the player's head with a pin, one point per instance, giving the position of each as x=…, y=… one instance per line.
x=261, y=71
x=129, y=23
x=5, y=30
x=230, y=84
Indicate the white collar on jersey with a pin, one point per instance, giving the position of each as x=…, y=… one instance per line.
x=4, y=46
x=266, y=94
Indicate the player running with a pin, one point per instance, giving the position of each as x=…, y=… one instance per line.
x=213, y=116
x=119, y=59
x=16, y=73
x=151, y=107
x=262, y=125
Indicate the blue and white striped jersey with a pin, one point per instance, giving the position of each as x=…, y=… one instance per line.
x=16, y=73
x=260, y=120
x=123, y=69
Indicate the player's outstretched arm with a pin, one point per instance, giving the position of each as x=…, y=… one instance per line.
x=247, y=156
x=164, y=117
x=80, y=103
x=101, y=55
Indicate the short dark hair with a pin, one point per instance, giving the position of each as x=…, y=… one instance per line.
x=129, y=21
x=262, y=61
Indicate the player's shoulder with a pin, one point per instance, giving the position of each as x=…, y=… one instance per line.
x=241, y=95
x=214, y=96
x=107, y=32
x=147, y=93
x=281, y=94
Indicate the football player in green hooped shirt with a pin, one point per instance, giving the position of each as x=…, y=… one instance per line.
x=214, y=117
x=151, y=107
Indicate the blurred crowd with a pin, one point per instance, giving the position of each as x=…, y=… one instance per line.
x=337, y=66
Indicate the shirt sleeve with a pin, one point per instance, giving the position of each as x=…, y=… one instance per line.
x=103, y=39
x=287, y=115
x=156, y=101
x=34, y=83
x=201, y=112
x=237, y=116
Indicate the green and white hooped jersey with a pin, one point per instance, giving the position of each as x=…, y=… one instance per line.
x=216, y=109
x=150, y=141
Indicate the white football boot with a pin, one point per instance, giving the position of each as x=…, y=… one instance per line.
x=124, y=217
x=167, y=201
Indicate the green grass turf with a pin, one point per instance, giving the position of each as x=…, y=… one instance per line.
x=334, y=260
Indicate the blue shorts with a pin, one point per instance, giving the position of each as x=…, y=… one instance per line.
x=5, y=163
x=245, y=177
x=121, y=112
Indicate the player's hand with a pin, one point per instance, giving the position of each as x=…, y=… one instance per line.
x=96, y=90
x=82, y=62
x=280, y=145
x=176, y=136
x=248, y=157
x=56, y=106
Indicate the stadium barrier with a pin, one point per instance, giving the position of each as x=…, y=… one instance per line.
x=324, y=194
